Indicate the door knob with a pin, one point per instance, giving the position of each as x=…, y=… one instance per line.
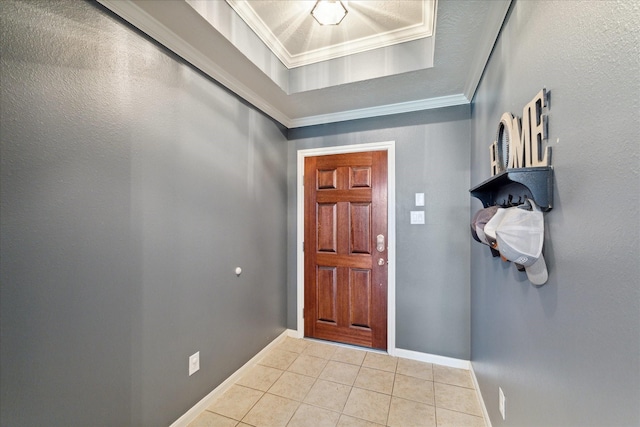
x=381, y=261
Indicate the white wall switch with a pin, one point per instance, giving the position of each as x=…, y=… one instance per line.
x=419, y=199
x=194, y=363
x=417, y=217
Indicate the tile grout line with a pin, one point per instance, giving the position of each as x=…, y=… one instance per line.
x=379, y=368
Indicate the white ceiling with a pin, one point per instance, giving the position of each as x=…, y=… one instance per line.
x=294, y=36
x=435, y=71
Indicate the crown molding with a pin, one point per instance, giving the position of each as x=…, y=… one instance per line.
x=154, y=28
x=498, y=13
x=382, y=110
x=390, y=38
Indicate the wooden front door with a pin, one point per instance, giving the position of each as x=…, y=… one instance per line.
x=345, y=248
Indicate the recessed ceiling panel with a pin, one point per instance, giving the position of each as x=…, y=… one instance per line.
x=289, y=30
x=212, y=37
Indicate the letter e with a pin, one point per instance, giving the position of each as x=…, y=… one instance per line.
x=538, y=129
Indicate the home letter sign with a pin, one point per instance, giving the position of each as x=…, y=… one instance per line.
x=519, y=142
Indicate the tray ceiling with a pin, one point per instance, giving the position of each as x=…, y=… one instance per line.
x=434, y=71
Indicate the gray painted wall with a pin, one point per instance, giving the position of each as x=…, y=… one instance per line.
x=432, y=274
x=568, y=353
x=225, y=20
x=395, y=59
x=131, y=188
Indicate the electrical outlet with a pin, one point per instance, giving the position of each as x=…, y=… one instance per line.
x=501, y=402
x=194, y=363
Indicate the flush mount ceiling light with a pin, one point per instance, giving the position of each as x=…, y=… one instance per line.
x=329, y=12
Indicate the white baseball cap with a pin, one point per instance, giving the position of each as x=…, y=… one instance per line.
x=520, y=236
x=491, y=226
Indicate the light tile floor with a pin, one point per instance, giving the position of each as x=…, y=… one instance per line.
x=303, y=383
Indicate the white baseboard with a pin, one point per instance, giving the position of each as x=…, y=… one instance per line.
x=197, y=409
x=294, y=333
x=485, y=414
x=433, y=358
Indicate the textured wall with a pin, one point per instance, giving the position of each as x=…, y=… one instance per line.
x=432, y=274
x=131, y=188
x=568, y=353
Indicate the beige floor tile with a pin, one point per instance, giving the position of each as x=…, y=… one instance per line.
x=452, y=376
x=349, y=355
x=316, y=384
x=328, y=395
x=448, y=418
x=375, y=380
x=236, y=402
x=292, y=386
x=414, y=368
x=312, y=416
x=295, y=345
x=415, y=389
x=308, y=365
x=260, y=377
x=347, y=421
x=383, y=362
x=209, y=419
x=407, y=413
x=458, y=399
x=368, y=405
x=318, y=349
x=279, y=359
x=339, y=372
x=271, y=411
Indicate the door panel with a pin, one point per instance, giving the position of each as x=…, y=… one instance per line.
x=327, y=294
x=327, y=227
x=327, y=179
x=345, y=285
x=360, y=227
x=360, y=177
x=359, y=298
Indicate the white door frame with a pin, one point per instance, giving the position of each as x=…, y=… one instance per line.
x=390, y=147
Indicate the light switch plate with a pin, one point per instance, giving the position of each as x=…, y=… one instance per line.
x=419, y=199
x=417, y=217
x=194, y=363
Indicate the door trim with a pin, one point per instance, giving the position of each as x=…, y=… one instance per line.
x=390, y=147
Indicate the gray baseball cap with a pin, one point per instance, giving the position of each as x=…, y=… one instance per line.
x=479, y=221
